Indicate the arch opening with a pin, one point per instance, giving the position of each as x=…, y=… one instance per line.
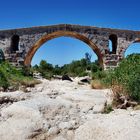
x=113, y=43
x=45, y=38
x=14, y=44
x=133, y=48
x=62, y=50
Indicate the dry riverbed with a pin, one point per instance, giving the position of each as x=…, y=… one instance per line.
x=63, y=110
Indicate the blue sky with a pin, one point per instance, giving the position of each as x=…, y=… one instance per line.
x=123, y=14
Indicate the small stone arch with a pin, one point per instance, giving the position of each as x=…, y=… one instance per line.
x=131, y=43
x=14, y=43
x=47, y=37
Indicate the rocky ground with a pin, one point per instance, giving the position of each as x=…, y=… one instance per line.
x=63, y=110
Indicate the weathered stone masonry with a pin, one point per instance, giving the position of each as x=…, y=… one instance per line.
x=20, y=45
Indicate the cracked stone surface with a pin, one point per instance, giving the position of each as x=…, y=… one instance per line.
x=63, y=110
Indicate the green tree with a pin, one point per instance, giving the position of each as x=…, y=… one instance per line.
x=43, y=65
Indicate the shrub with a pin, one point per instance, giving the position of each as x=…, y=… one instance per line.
x=127, y=74
x=134, y=88
x=75, y=68
x=108, y=108
x=3, y=80
x=11, y=76
x=82, y=74
x=27, y=71
x=48, y=75
x=99, y=75
x=95, y=67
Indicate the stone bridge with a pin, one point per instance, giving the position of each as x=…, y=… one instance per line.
x=20, y=45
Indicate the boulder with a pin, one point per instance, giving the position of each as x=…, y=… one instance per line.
x=58, y=77
x=66, y=77
x=86, y=79
x=53, y=131
x=1, y=89
x=11, y=88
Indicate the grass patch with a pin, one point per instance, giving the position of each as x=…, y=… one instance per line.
x=137, y=107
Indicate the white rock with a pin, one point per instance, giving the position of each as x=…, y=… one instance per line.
x=53, y=131
x=110, y=127
x=22, y=119
x=60, y=138
x=65, y=125
x=39, y=89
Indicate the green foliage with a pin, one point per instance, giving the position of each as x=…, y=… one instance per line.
x=11, y=76
x=127, y=75
x=95, y=67
x=27, y=71
x=79, y=68
x=99, y=75
x=3, y=80
x=134, y=88
x=108, y=108
x=45, y=69
x=75, y=68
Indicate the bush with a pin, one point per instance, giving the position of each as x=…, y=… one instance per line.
x=127, y=75
x=82, y=74
x=11, y=76
x=99, y=75
x=134, y=88
x=108, y=108
x=95, y=67
x=27, y=71
x=3, y=80
x=75, y=68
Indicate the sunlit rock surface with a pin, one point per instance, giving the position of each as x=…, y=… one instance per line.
x=63, y=110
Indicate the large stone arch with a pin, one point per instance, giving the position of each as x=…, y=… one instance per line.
x=47, y=37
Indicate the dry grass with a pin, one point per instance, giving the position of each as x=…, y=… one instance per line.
x=137, y=107
x=30, y=83
x=118, y=92
x=97, y=84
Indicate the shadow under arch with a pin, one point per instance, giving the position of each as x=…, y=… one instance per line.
x=47, y=37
